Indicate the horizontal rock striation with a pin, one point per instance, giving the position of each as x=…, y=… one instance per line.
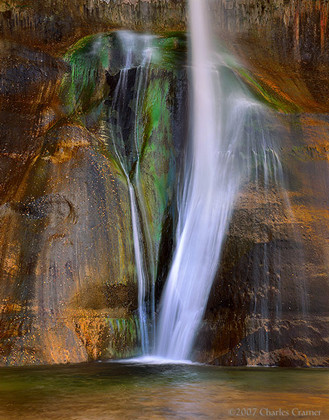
x=55, y=24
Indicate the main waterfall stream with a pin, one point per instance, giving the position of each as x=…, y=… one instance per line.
x=229, y=142
x=211, y=181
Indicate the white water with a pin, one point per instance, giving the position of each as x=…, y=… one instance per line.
x=230, y=145
x=154, y=360
x=210, y=186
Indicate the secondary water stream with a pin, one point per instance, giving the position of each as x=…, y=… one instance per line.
x=126, y=143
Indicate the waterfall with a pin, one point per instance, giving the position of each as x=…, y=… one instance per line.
x=210, y=186
x=141, y=276
x=230, y=144
x=126, y=145
x=231, y=147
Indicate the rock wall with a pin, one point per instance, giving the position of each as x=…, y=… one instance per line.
x=68, y=290
x=283, y=43
x=56, y=24
x=68, y=283
x=65, y=292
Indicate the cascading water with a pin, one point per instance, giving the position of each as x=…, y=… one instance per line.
x=230, y=147
x=230, y=144
x=126, y=144
x=210, y=186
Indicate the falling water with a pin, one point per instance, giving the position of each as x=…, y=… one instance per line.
x=230, y=144
x=141, y=277
x=126, y=145
x=210, y=186
x=265, y=182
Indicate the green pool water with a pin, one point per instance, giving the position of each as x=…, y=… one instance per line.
x=129, y=391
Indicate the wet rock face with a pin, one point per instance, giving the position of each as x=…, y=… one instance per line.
x=273, y=39
x=68, y=287
x=29, y=83
x=65, y=289
x=268, y=305
x=65, y=294
x=284, y=44
x=68, y=290
x=57, y=24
